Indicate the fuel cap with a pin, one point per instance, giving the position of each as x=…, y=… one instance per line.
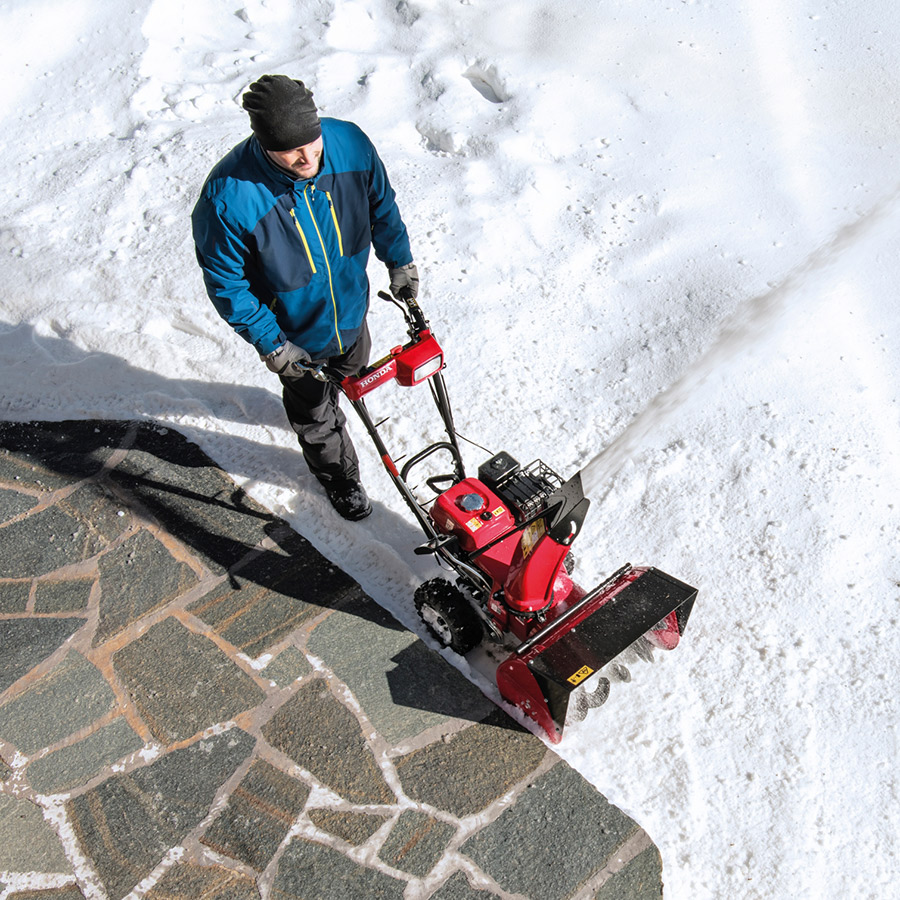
x=471, y=502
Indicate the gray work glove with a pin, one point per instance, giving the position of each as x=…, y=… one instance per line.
x=284, y=360
x=405, y=282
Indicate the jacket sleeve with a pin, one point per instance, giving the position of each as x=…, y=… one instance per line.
x=224, y=259
x=389, y=237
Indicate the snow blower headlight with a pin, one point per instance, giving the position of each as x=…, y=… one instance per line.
x=419, y=361
x=426, y=370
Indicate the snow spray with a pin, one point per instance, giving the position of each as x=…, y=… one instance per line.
x=745, y=325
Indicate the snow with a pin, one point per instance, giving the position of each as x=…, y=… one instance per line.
x=657, y=241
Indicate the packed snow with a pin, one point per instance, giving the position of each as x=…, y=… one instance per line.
x=657, y=240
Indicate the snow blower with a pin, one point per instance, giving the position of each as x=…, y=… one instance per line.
x=507, y=535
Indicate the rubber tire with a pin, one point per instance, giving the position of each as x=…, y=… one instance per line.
x=448, y=616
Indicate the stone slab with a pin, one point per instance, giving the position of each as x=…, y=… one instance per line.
x=68, y=698
x=186, y=881
x=53, y=455
x=559, y=832
x=258, y=816
x=137, y=577
x=287, y=667
x=69, y=892
x=273, y=594
x=184, y=489
x=486, y=759
x=416, y=843
x=13, y=504
x=354, y=828
x=182, y=682
x=308, y=870
x=78, y=763
x=14, y=595
x=403, y=687
x=640, y=879
x=27, y=842
x=128, y=823
x=24, y=643
x=65, y=595
x=322, y=736
x=458, y=888
x=71, y=531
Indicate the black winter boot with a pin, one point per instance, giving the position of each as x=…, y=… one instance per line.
x=349, y=499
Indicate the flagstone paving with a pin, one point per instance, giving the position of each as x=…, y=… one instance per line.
x=195, y=703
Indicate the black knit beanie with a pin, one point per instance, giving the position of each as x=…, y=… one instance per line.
x=282, y=113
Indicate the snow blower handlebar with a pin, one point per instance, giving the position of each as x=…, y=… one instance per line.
x=412, y=312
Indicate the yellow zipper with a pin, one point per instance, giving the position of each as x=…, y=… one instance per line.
x=337, y=227
x=305, y=245
x=327, y=266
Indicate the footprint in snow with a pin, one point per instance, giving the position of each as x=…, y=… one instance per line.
x=487, y=82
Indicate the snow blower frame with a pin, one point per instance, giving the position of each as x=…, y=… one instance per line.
x=507, y=536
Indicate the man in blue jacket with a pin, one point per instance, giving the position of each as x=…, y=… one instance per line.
x=282, y=231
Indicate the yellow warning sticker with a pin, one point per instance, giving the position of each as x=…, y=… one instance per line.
x=580, y=675
x=531, y=535
x=474, y=524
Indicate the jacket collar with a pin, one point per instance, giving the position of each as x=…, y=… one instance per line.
x=273, y=170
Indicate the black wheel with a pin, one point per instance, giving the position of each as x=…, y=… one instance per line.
x=569, y=563
x=448, y=615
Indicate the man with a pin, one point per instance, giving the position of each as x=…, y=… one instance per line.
x=282, y=231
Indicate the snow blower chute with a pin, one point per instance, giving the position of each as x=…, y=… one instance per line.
x=506, y=536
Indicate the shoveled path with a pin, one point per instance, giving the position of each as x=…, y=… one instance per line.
x=194, y=703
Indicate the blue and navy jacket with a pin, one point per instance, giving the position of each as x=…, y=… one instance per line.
x=287, y=259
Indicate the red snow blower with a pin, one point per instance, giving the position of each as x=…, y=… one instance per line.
x=506, y=535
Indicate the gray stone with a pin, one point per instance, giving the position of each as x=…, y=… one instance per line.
x=403, y=687
x=354, y=828
x=13, y=504
x=559, y=833
x=26, y=642
x=69, y=595
x=322, y=736
x=416, y=843
x=307, y=870
x=192, y=497
x=182, y=682
x=79, y=763
x=70, y=697
x=486, y=760
x=640, y=879
x=287, y=667
x=69, y=892
x=52, y=455
x=258, y=815
x=136, y=578
x=129, y=822
x=458, y=888
x=273, y=594
x=73, y=530
x=27, y=842
x=14, y=596
x=187, y=881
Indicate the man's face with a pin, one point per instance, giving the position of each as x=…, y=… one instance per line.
x=302, y=162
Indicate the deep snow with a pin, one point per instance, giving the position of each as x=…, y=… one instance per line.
x=656, y=239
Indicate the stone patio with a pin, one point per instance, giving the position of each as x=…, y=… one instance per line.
x=195, y=703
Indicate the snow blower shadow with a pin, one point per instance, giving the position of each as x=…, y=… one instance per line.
x=275, y=579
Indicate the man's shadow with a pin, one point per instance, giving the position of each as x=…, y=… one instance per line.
x=173, y=479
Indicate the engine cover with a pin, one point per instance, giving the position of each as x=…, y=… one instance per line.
x=472, y=512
